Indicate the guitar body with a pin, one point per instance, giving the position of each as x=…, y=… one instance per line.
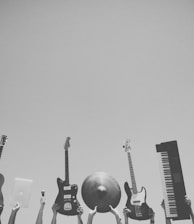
x=1, y=184
x=137, y=204
x=2, y=179
x=66, y=198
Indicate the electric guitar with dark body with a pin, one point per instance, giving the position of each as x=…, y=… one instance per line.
x=2, y=179
x=66, y=197
x=136, y=202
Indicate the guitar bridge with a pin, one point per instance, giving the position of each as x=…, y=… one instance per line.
x=67, y=206
x=138, y=211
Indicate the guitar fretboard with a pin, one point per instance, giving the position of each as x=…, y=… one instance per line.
x=134, y=186
x=2, y=143
x=1, y=150
x=66, y=167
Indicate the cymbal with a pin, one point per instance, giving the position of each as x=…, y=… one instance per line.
x=101, y=190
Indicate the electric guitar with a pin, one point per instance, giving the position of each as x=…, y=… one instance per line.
x=136, y=202
x=66, y=198
x=2, y=143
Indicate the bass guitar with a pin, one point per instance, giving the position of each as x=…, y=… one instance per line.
x=136, y=202
x=66, y=198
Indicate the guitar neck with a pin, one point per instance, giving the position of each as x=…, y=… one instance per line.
x=2, y=143
x=66, y=167
x=133, y=181
x=1, y=150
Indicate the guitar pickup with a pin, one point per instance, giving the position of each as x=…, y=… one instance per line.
x=67, y=196
x=67, y=188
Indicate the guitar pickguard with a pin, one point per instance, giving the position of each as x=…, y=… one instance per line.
x=139, y=198
x=66, y=198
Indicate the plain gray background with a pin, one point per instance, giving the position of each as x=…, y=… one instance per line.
x=99, y=72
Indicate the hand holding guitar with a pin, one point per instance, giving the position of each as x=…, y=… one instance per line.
x=126, y=211
x=80, y=211
x=55, y=208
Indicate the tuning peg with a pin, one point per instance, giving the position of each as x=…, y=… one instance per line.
x=43, y=193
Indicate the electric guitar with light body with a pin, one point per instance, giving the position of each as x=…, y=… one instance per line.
x=136, y=202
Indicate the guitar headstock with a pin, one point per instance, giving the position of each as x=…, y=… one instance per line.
x=42, y=193
x=3, y=140
x=67, y=144
x=127, y=145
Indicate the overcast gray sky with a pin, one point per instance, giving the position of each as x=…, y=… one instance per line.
x=99, y=72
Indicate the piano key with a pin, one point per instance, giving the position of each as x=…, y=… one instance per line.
x=167, y=175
